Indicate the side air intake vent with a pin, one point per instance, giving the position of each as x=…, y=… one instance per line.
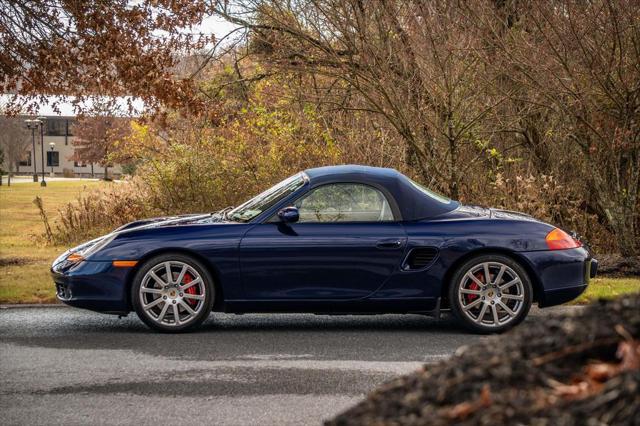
x=421, y=257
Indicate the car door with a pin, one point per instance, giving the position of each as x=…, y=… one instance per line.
x=345, y=245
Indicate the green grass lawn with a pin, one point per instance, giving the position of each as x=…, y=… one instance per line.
x=25, y=259
x=607, y=288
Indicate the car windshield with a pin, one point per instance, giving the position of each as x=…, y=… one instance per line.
x=430, y=193
x=268, y=198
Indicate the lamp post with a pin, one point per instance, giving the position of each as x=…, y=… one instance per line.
x=52, y=145
x=33, y=125
x=42, y=120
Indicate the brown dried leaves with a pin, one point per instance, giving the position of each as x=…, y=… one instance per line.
x=594, y=375
x=465, y=409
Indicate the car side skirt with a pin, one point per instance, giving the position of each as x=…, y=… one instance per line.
x=337, y=307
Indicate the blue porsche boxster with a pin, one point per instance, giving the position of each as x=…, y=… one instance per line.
x=330, y=240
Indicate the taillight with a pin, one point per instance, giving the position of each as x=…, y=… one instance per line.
x=557, y=239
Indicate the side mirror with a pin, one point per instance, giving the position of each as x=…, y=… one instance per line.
x=289, y=214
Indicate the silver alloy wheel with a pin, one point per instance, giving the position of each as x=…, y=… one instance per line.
x=491, y=294
x=172, y=293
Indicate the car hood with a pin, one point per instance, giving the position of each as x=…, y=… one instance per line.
x=89, y=248
x=165, y=221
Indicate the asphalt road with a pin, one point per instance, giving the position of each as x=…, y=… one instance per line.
x=67, y=366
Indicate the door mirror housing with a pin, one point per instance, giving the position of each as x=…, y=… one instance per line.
x=289, y=214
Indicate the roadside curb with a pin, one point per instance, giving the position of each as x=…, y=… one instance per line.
x=32, y=305
x=560, y=309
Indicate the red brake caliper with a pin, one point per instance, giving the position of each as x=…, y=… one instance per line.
x=474, y=286
x=191, y=290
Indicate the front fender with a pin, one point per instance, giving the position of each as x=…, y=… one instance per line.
x=217, y=246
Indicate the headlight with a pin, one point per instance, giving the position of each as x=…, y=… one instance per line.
x=83, y=251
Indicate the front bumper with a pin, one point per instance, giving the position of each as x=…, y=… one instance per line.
x=562, y=275
x=97, y=286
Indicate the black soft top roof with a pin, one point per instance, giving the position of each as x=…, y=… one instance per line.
x=412, y=203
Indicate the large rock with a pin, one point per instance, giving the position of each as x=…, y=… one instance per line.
x=582, y=369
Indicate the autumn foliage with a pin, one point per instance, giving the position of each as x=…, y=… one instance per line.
x=96, y=138
x=99, y=48
x=195, y=167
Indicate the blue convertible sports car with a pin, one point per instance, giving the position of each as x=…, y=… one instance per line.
x=331, y=240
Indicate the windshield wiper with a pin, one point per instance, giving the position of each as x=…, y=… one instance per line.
x=221, y=215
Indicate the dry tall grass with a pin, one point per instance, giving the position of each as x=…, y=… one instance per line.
x=100, y=211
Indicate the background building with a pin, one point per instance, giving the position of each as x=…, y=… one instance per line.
x=58, y=151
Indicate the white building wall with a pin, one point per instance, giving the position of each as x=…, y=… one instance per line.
x=65, y=149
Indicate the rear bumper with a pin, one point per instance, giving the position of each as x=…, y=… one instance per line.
x=561, y=295
x=97, y=286
x=561, y=275
x=593, y=268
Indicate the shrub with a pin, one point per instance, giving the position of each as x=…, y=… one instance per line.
x=99, y=211
x=545, y=198
x=203, y=168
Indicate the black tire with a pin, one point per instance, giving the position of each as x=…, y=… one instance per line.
x=499, y=299
x=204, y=306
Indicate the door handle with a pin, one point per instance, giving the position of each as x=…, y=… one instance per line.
x=389, y=244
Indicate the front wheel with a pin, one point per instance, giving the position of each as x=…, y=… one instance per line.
x=172, y=293
x=490, y=293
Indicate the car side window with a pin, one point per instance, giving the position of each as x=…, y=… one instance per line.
x=344, y=202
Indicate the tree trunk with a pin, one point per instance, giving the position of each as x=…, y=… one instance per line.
x=621, y=217
x=454, y=189
x=617, y=196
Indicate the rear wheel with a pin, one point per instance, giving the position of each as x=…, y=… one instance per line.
x=490, y=293
x=172, y=293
